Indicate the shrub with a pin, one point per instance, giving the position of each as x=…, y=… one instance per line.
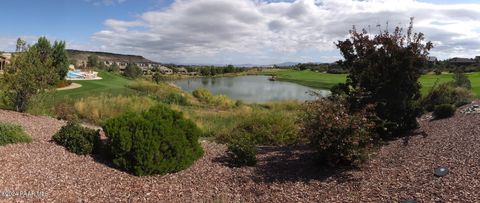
x=239, y=103
x=461, y=80
x=462, y=96
x=265, y=128
x=383, y=71
x=446, y=93
x=65, y=111
x=63, y=83
x=203, y=95
x=443, y=111
x=206, y=97
x=157, y=141
x=242, y=151
x=11, y=134
x=113, y=68
x=222, y=101
x=132, y=71
x=77, y=139
x=175, y=98
x=340, y=137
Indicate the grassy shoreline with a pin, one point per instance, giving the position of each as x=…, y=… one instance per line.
x=326, y=80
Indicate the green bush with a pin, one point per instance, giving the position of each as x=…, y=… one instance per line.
x=175, y=98
x=446, y=93
x=443, y=111
x=157, y=141
x=266, y=128
x=206, y=97
x=340, y=137
x=461, y=80
x=77, y=139
x=383, y=70
x=242, y=151
x=132, y=71
x=203, y=95
x=11, y=134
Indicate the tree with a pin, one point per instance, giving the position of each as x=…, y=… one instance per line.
x=461, y=80
x=384, y=71
x=132, y=71
x=27, y=76
x=21, y=45
x=92, y=61
x=60, y=59
x=113, y=68
x=44, y=49
x=158, y=77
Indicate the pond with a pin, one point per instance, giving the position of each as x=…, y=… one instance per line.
x=257, y=89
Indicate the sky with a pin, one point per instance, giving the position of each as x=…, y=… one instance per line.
x=235, y=31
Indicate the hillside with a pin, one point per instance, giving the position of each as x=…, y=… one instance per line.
x=79, y=55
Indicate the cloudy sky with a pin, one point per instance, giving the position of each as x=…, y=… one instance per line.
x=235, y=31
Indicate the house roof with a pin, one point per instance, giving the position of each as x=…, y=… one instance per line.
x=163, y=68
x=462, y=60
x=432, y=58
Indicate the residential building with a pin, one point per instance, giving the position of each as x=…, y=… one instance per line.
x=164, y=70
x=183, y=71
x=461, y=61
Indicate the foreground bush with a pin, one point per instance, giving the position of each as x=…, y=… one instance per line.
x=99, y=108
x=443, y=111
x=11, y=134
x=383, y=70
x=157, y=141
x=77, y=139
x=341, y=138
x=242, y=151
x=266, y=128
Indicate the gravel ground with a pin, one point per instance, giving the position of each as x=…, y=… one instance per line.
x=44, y=172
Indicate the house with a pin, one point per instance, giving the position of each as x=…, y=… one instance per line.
x=461, y=61
x=4, y=60
x=182, y=71
x=3, y=63
x=164, y=70
x=477, y=59
x=432, y=60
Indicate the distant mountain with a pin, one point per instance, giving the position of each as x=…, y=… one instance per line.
x=82, y=56
x=286, y=64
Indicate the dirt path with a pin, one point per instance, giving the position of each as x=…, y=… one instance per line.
x=71, y=86
x=400, y=171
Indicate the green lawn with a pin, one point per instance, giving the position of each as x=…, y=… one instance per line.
x=110, y=84
x=326, y=80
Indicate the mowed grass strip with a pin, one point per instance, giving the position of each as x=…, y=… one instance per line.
x=110, y=84
x=326, y=80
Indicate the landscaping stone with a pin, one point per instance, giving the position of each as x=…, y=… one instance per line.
x=283, y=174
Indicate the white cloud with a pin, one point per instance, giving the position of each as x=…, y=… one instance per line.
x=208, y=29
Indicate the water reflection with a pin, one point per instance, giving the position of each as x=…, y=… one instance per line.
x=251, y=88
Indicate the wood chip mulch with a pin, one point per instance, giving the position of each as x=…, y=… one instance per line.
x=403, y=170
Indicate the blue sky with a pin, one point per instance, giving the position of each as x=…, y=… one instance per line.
x=234, y=31
x=71, y=20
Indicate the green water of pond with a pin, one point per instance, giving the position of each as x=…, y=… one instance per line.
x=256, y=89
